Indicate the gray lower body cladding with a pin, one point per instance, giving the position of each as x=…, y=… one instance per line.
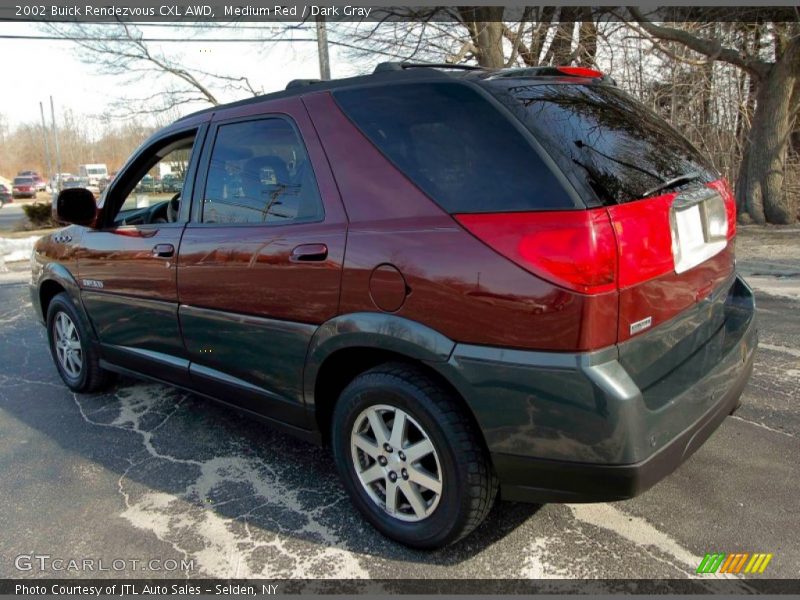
x=607, y=425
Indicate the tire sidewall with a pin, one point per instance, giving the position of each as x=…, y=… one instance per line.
x=62, y=303
x=446, y=520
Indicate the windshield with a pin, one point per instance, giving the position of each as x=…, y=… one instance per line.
x=605, y=140
x=23, y=180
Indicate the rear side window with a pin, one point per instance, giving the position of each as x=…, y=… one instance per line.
x=607, y=141
x=260, y=173
x=458, y=148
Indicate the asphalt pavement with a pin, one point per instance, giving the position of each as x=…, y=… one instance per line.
x=146, y=472
x=10, y=215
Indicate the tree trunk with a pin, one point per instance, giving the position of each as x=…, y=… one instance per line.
x=761, y=175
x=587, y=39
x=485, y=28
x=560, y=51
x=539, y=36
x=742, y=133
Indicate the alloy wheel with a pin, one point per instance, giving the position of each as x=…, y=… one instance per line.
x=396, y=462
x=68, y=345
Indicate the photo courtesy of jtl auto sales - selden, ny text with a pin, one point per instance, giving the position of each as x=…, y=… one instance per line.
x=371, y=300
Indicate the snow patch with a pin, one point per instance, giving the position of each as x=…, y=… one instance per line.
x=636, y=530
x=644, y=535
x=16, y=249
x=536, y=565
x=224, y=543
x=782, y=349
x=783, y=287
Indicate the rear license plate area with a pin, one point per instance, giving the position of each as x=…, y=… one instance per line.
x=698, y=222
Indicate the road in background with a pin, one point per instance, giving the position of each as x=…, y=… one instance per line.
x=10, y=215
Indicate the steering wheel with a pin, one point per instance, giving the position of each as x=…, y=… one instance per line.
x=173, y=207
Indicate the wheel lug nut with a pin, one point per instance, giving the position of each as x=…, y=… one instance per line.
x=392, y=476
x=382, y=461
x=387, y=447
x=402, y=455
x=404, y=473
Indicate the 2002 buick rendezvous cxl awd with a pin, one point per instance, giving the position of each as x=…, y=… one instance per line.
x=463, y=281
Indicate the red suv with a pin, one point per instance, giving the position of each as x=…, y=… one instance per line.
x=23, y=187
x=464, y=281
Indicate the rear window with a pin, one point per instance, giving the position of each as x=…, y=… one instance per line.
x=454, y=145
x=603, y=139
x=23, y=181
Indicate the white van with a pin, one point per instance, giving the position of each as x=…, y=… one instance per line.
x=95, y=173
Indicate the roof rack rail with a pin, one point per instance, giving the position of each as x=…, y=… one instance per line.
x=295, y=83
x=400, y=66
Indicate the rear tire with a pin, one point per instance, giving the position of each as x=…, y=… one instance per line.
x=74, y=354
x=426, y=484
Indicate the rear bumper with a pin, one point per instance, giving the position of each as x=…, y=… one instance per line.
x=525, y=479
x=600, y=426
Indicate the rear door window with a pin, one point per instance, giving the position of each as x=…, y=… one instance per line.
x=605, y=140
x=456, y=146
x=260, y=173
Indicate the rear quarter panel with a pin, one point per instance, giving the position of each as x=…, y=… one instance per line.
x=455, y=284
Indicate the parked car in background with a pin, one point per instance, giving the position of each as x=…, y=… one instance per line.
x=24, y=187
x=538, y=296
x=39, y=181
x=171, y=183
x=71, y=182
x=80, y=182
x=62, y=177
x=149, y=183
x=5, y=194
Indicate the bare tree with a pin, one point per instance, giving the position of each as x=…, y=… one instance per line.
x=775, y=77
x=120, y=50
x=730, y=87
x=81, y=140
x=491, y=36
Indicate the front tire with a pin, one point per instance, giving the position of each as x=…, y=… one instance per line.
x=410, y=457
x=75, y=357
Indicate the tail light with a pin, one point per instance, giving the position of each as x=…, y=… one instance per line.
x=581, y=72
x=598, y=250
x=723, y=187
x=644, y=239
x=574, y=249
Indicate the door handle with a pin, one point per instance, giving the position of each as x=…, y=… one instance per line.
x=163, y=250
x=309, y=253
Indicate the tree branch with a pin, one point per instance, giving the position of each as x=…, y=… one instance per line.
x=710, y=48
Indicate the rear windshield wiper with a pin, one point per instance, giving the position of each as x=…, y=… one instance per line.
x=686, y=178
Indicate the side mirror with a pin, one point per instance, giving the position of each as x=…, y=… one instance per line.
x=75, y=205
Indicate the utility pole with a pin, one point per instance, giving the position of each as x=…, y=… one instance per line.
x=46, y=143
x=55, y=141
x=322, y=49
